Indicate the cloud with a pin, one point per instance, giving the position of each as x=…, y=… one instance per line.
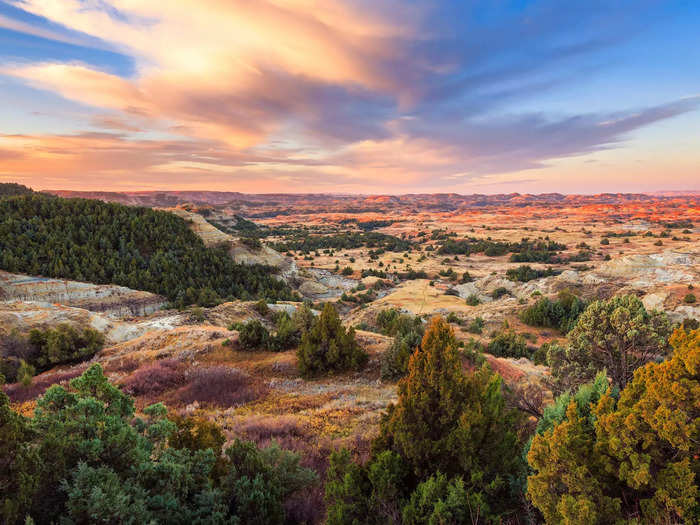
x=346, y=94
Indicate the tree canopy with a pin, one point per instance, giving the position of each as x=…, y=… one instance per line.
x=141, y=248
x=632, y=459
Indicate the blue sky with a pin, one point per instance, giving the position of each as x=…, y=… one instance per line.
x=351, y=96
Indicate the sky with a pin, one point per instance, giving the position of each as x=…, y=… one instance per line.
x=351, y=96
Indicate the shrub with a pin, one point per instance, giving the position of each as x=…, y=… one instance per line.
x=63, y=344
x=220, y=386
x=261, y=307
x=20, y=393
x=347, y=271
x=560, y=314
x=499, y=292
x=508, y=344
x=446, y=421
x=253, y=335
x=328, y=346
x=630, y=458
x=286, y=336
x=618, y=335
x=473, y=300
x=84, y=458
x=252, y=242
x=197, y=314
x=476, y=326
x=407, y=331
x=155, y=378
x=525, y=273
x=689, y=298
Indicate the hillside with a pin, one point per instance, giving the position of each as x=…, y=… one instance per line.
x=140, y=248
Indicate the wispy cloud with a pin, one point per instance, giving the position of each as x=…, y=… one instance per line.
x=348, y=94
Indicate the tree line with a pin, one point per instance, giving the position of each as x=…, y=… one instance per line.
x=141, y=248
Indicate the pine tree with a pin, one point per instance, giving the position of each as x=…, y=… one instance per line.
x=456, y=424
x=329, y=347
x=635, y=458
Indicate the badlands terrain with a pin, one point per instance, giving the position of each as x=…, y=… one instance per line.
x=366, y=255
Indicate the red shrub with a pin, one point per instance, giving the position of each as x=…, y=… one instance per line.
x=19, y=393
x=123, y=365
x=155, y=378
x=262, y=429
x=220, y=386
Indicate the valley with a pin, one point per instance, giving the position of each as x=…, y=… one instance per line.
x=477, y=264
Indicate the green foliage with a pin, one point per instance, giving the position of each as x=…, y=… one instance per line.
x=473, y=300
x=690, y=299
x=499, y=292
x=261, y=307
x=252, y=242
x=347, y=491
x=525, y=273
x=287, y=334
x=508, y=343
x=64, y=344
x=22, y=356
x=328, y=346
x=626, y=459
x=84, y=458
x=453, y=423
x=304, y=242
x=259, y=481
x=524, y=251
x=347, y=271
x=407, y=331
x=476, y=326
x=94, y=241
x=18, y=464
x=617, y=335
x=561, y=314
x=12, y=189
x=303, y=318
x=25, y=373
x=253, y=335
x=439, y=501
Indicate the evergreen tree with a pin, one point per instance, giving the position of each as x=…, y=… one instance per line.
x=632, y=459
x=454, y=423
x=328, y=346
x=618, y=336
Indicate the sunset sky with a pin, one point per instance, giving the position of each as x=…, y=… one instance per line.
x=361, y=96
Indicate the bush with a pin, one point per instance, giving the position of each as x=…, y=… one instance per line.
x=450, y=422
x=618, y=335
x=84, y=458
x=689, y=298
x=476, y=326
x=64, y=344
x=220, y=386
x=20, y=393
x=525, y=273
x=407, y=339
x=329, y=347
x=473, y=300
x=155, y=378
x=347, y=271
x=560, y=314
x=287, y=334
x=508, y=344
x=499, y=292
x=253, y=335
x=261, y=307
x=630, y=458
